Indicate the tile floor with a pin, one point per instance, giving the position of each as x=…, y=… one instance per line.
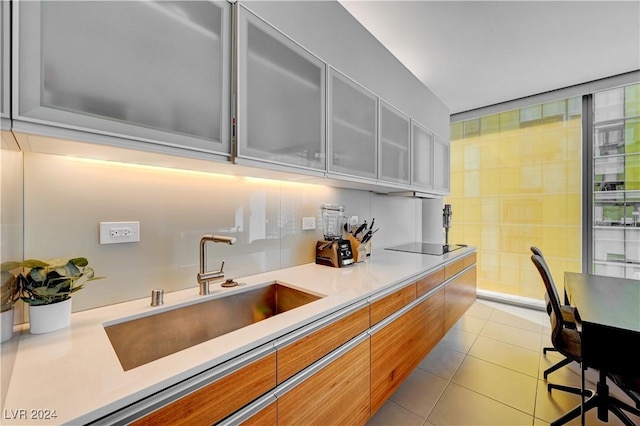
x=487, y=370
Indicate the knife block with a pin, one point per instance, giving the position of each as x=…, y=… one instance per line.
x=360, y=251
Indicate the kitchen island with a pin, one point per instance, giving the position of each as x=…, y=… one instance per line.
x=73, y=376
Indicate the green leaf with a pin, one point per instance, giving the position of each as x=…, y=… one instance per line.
x=79, y=261
x=37, y=274
x=8, y=290
x=11, y=265
x=76, y=288
x=68, y=270
x=34, y=263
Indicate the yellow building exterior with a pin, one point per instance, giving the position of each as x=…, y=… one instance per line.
x=516, y=182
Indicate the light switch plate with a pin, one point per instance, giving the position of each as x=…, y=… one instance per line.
x=119, y=232
x=308, y=223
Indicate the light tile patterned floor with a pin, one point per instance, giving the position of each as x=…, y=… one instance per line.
x=488, y=371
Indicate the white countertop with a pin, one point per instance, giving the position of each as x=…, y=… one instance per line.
x=76, y=372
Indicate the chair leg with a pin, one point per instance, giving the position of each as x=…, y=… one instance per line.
x=570, y=389
x=590, y=403
x=582, y=410
x=547, y=349
x=585, y=405
x=622, y=416
x=615, y=403
x=556, y=366
x=601, y=400
x=635, y=397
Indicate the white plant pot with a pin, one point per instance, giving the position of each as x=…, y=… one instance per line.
x=47, y=318
x=6, y=324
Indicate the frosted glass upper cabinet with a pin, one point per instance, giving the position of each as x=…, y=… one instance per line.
x=353, y=118
x=152, y=71
x=441, y=165
x=4, y=66
x=281, y=96
x=395, y=131
x=422, y=147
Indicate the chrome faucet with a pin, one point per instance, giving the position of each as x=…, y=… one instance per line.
x=203, y=276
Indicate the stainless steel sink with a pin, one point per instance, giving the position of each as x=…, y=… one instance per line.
x=142, y=340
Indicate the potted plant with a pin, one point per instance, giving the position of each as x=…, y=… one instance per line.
x=8, y=296
x=47, y=287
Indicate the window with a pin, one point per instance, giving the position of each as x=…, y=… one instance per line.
x=616, y=182
x=516, y=182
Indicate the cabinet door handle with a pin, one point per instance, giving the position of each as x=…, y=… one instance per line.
x=306, y=330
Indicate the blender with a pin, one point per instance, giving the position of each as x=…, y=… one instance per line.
x=333, y=250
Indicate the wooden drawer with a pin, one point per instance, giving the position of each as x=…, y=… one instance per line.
x=469, y=260
x=382, y=308
x=428, y=283
x=296, y=353
x=398, y=348
x=268, y=416
x=217, y=400
x=336, y=394
x=453, y=268
x=459, y=296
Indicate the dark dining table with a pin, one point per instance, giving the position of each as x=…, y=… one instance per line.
x=608, y=317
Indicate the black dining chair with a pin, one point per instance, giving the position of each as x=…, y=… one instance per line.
x=566, y=340
x=568, y=315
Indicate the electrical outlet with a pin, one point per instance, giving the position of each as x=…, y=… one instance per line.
x=308, y=223
x=119, y=232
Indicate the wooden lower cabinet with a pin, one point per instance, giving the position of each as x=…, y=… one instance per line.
x=339, y=370
x=398, y=347
x=268, y=416
x=459, y=295
x=336, y=394
x=428, y=283
x=215, y=401
x=382, y=308
x=303, y=351
x=453, y=268
x=469, y=260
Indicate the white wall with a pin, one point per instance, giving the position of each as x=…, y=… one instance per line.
x=432, y=230
x=66, y=198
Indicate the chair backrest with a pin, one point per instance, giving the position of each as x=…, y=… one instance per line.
x=537, y=252
x=557, y=320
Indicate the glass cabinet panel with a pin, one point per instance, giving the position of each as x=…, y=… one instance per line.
x=441, y=165
x=353, y=113
x=4, y=65
x=281, y=93
x=395, y=131
x=155, y=70
x=422, y=156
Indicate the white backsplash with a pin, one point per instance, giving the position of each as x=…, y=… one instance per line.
x=65, y=198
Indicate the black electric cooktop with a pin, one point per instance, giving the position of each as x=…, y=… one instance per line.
x=426, y=248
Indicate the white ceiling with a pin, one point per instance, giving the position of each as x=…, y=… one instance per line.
x=477, y=53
